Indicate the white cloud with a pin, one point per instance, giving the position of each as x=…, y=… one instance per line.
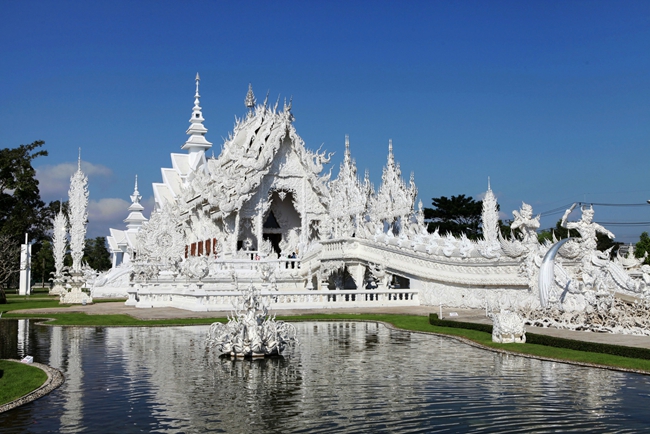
x=110, y=213
x=104, y=214
x=54, y=181
x=107, y=209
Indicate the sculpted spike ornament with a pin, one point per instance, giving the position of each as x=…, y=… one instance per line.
x=59, y=241
x=77, y=210
x=250, y=100
x=78, y=215
x=347, y=192
x=394, y=199
x=490, y=247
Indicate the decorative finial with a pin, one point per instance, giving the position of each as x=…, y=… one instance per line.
x=135, y=197
x=489, y=183
x=196, y=94
x=346, y=156
x=250, y=98
x=197, y=141
x=79, y=161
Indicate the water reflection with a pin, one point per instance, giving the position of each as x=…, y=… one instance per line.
x=343, y=377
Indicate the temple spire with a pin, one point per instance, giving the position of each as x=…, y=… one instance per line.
x=196, y=144
x=250, y=101
x=79, y=161
x=347, y=156
x=391, y=158
x=135, y=197
x=135, y=219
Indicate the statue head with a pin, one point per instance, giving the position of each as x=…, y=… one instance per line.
x=587, y=214
x=526, y=210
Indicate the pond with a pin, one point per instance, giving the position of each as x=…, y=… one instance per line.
x=342, y=377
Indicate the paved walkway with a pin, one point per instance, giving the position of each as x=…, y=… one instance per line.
x=467, y=315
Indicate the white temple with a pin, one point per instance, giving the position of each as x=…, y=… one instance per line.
x=265, y=213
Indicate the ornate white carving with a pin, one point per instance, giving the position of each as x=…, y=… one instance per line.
x=508, y=327
x=195, y=267
x=59, y=244
x=348, y=197
x=78, y=215
x=489, y=247
x=394, y=200
x=161, y=240
x=602, y=313
x=250, y=332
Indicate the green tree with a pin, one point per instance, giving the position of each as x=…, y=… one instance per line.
x=42, y=254
x=42, y=262
x=96, y=254
x=20, y=200
x=20, y=205
x=559, y=231
x=455, y=215
x=642, y=246
x=9, y=263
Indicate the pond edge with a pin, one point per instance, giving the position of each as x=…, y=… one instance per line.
x=54, y=379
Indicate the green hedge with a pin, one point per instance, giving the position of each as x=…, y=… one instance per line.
x=551, y=341
x=434, y=320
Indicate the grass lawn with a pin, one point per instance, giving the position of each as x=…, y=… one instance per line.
x=406, y=322
x=18, y=379
x=84, y=320
x=17, y=302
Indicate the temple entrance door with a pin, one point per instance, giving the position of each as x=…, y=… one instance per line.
x=282, y=222
x=273, y=232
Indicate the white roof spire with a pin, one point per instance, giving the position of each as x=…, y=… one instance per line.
x=135, y=219
x=135, y=197
x=196, y=131
x=347, y=148
x=196, y=145
x=79, y=161
x=250, y=101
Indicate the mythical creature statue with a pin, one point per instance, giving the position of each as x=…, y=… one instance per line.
x=525, y=225
x=376, y=276
x=587, y=229
x=508, y=327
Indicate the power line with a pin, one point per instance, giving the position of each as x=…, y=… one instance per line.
x=565, y=207
x=617, y=204
x=624, y=223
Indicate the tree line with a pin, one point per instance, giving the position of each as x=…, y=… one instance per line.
x=22, y=211
x=463, y=214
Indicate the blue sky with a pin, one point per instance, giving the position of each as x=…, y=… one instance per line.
x=551, y=100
